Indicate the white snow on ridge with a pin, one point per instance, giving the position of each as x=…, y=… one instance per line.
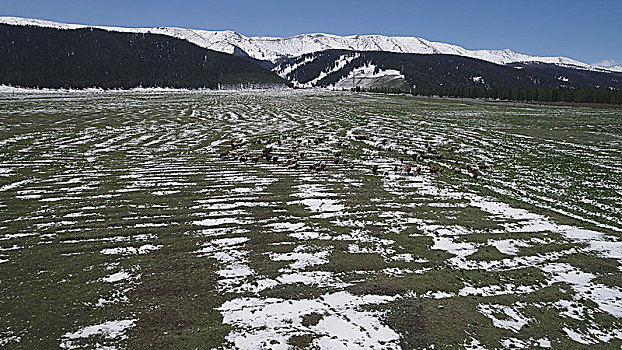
x=19, y=21
x=368, y=76
x=341, y=62
x=284, y=71
x=272, y=48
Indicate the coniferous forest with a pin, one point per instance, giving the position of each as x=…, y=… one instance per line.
x=564, y=94
x=464, y=77
x=81, y=58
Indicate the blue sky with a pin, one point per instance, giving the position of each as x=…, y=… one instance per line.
x=587, y=30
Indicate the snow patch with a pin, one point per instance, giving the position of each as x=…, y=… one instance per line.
x=460, y=249
x=270, y=323
x=116, y=277
x=108, y=330
x=144, y=249
x=512, y=319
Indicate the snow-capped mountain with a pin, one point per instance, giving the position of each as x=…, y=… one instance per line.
x=272, y=48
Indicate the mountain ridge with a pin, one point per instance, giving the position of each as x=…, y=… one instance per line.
x=345, y=69
x=43, y=57
x=273, y=49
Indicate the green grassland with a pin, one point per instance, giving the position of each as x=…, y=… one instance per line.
x=122, y=226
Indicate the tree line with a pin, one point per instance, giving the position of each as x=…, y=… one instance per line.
x=562, y=94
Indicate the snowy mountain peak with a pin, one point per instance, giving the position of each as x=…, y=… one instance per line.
x=274, y=48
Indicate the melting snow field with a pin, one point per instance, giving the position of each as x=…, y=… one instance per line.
x=107, y=330
x=271, y=322
x=306, y=219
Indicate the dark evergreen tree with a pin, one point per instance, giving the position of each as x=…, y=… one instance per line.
x=54, y=58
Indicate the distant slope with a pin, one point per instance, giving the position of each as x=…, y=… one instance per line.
x=272, y=49
x=347, y=69
x=34, y=56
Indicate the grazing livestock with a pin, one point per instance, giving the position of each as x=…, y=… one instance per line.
x=237, y=143
x=474, y=172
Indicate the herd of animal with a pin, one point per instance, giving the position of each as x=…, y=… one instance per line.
x=300, y=153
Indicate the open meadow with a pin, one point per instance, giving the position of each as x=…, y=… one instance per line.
x=307, y=219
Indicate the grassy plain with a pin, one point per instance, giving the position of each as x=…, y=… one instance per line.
x=121, y=226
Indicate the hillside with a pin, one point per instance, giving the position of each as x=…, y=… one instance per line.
x=274, y=49
x=347, y=69
x=38, y=53
x=34, y=56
